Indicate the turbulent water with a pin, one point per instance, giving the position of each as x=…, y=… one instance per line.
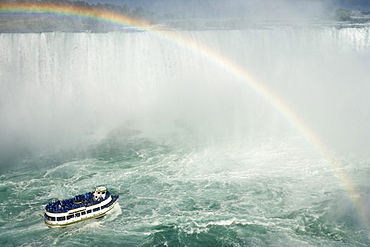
x=198, y=157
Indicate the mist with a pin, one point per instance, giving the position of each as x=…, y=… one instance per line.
x=83, y=86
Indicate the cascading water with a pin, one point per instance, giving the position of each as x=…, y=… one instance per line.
x=197, y=155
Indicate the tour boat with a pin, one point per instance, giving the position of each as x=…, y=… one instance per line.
x=83, y=207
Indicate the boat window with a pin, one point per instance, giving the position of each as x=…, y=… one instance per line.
x=83, y=213
x=78, y=215
x=52, y=218
x=61, y=218
x=46, y=217
x=70, y=217
x=89, y=211
x=96, y=209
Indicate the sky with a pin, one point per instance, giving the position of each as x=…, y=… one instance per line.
x=238, y=8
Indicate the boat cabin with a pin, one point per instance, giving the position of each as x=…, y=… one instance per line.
x=99, y=193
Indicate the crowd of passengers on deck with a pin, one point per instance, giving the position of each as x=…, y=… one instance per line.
x=84, y=200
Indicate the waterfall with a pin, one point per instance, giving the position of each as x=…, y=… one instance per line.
x=57, y=87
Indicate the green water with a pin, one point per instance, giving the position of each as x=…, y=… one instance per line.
x=266, y=194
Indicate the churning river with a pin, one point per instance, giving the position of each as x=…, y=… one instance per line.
x=254, y=137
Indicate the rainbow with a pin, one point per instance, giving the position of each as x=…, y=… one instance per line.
x=71, y=10
x=214, y=58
